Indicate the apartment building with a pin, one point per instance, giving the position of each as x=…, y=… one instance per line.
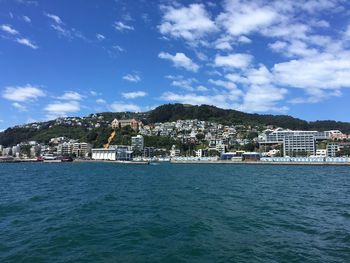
x=299, y=143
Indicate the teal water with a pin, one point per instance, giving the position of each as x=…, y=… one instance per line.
x=84, y=212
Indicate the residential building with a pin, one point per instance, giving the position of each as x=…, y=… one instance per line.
x=81, y=149
x=65, y=148
x=302, y=143
x=332, y=149
x=174, y=152
x=148, y=152
x=321, y=152
x=137, y=143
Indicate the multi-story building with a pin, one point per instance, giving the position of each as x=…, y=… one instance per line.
x=332, y=149
x=174, y=152
x=278, y=135
x=148, y=152
x=133, y=123
x=299, y=144
x=65, y=148
x=321, y=152
x=137, y=143
x=81, y=149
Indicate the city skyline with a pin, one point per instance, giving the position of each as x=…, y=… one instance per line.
x=75, y=58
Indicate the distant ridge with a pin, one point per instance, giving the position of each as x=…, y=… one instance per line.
x=88, y=132
x=172, y=112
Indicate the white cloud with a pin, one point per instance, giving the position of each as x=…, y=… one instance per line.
x=225, y=84
x=180, y=60
x=71, y=95
x=118, y=48
x=263, y=99
x=9, y=29
x=100, y=101
x=181, y=82
x=57, y=109
x=132, y=77
x=244, y=39
x=120, y=26
x=22, y=93
x=55, y=18
x=239, y=61
x=244, y=17
x=26, y=42
x=134, y=94
x=324, y=71
x=19, y=106
x=201, y=88
x=100, y=37
x=27, y=19
x=190, y=23
x=93, y=93
x=219, y=100
x=122, y=107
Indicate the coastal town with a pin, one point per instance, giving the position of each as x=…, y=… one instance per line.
x=206, y=142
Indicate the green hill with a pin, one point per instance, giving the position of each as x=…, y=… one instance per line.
x=86, y=129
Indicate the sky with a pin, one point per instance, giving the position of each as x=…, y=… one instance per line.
x=73, y=58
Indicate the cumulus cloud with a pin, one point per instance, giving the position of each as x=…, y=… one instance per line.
x=123, y=107
x=120, y=26
x=22, y=93
x=244, y=17
x=61, y=109
x=134, y=94
x=180, y=60
x=9, y=29
x=132, y=77
x=190, y=23
x=263, y=99
x=71, y=95
x=239, y=61
x=100, y=101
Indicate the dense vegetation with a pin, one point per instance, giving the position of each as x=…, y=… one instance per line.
x=172, y=112
x=164, y=113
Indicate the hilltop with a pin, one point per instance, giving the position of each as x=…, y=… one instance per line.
x=95, y=127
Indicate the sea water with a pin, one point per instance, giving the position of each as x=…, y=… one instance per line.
x=105, y=212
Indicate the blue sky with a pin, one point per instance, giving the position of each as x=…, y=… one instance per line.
x=73, y=58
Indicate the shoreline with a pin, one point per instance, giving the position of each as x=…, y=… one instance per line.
x=260, y=163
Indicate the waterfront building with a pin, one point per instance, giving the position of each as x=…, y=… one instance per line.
x=65, y=148
x=199, y=153
x=332, y=149
x=81, y=149
x=137, y=143
x=174, y=152
x=321, y=152
x=148, y=152
x=1, y=148
x=277, y=136
x=16, y=150
x=303, y=143
x=114, y=153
